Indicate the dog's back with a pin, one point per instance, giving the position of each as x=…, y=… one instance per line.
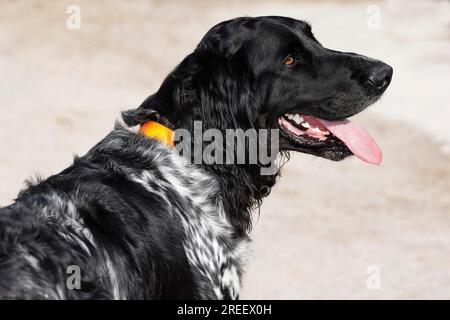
x=39, y=235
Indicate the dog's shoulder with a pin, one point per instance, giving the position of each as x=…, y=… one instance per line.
x=192, y=197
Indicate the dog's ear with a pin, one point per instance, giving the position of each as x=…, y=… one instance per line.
x=219, y=91
x=206, y=87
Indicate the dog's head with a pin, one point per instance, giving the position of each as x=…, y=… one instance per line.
x=271, y=72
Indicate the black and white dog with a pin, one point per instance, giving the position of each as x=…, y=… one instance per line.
x=139, y=220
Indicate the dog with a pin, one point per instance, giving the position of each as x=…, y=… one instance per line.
x=134, y=219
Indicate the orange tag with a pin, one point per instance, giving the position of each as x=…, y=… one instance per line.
x=156, y=130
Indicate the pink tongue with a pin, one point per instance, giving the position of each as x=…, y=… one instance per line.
x=356, y=139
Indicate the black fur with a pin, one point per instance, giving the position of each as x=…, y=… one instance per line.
x=116, y=214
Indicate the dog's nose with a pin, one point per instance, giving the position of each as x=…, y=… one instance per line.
x=380, y=76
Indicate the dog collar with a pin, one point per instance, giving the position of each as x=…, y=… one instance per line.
x=156, y=130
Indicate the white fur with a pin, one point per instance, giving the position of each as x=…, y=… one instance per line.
x=206, y=223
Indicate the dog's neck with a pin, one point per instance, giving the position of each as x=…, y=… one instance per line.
x=243, y=188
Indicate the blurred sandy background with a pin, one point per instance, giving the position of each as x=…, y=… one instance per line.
x=325, y=223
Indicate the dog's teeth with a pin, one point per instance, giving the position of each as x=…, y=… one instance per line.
x=297, y=119
x=306, y=125
x=290, y=116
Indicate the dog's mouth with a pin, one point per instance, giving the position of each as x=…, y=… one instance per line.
x=330, y=139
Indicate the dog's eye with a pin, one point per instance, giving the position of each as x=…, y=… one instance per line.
x=290, y=60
